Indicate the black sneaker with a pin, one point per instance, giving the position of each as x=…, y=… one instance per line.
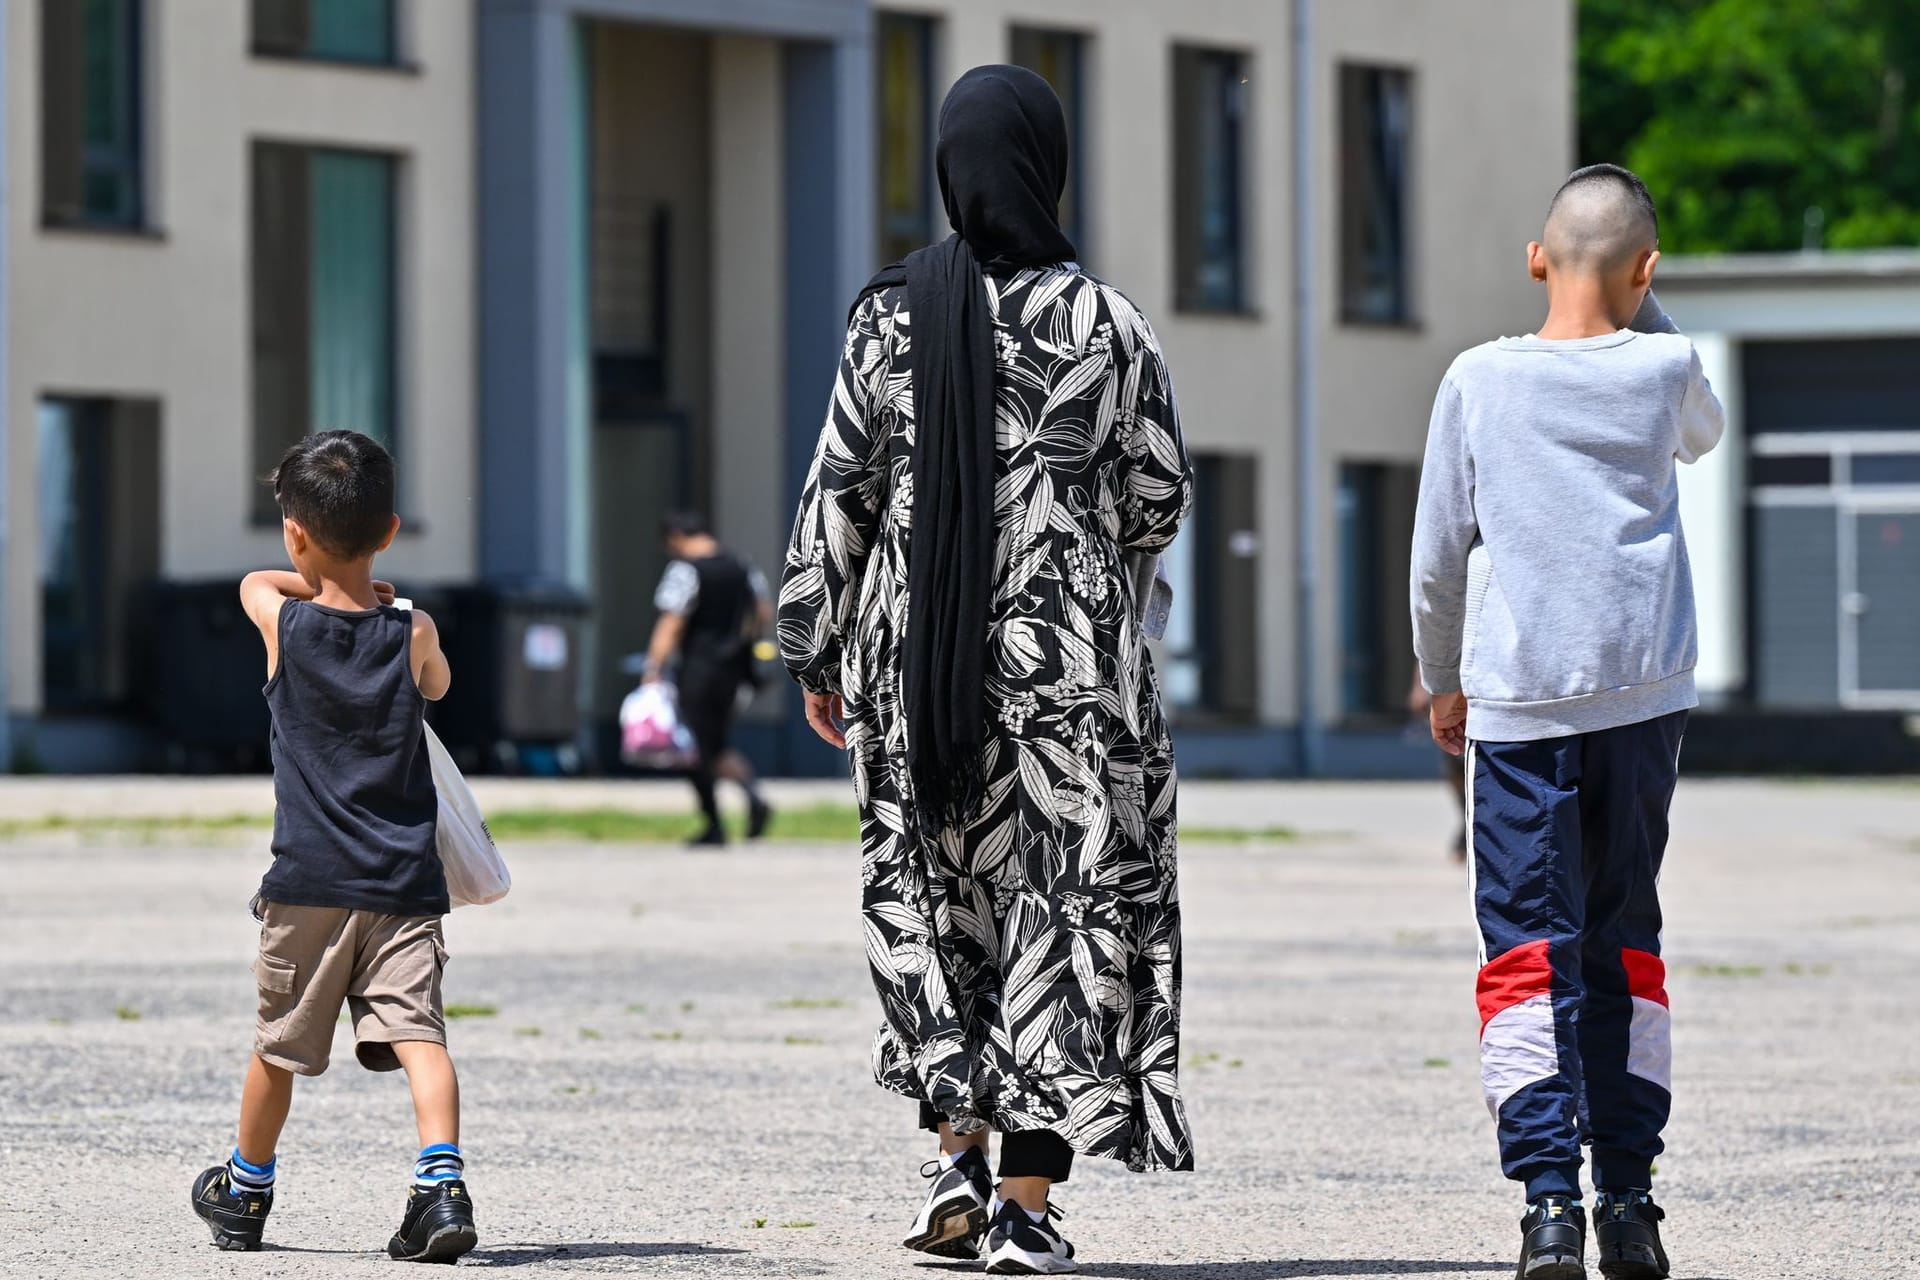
x=1554, y=1240
x=438, y=1226
x=237, y=1218
x=1626, y=1226
x=1019, y=1246
x=954, y=1217
x=759, y=816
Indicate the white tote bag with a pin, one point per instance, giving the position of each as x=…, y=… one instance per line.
x=476, y=873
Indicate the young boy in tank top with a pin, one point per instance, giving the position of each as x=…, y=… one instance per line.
x=350, y=909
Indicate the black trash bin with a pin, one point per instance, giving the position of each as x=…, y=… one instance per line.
x=514, y=648
x=206, y=666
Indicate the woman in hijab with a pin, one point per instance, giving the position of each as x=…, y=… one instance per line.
x=955, y=605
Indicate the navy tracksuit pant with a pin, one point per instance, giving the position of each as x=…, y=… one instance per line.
x=1568, y=834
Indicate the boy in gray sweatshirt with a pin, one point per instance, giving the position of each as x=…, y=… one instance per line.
x=1553, y=619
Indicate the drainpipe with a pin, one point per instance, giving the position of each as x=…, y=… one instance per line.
x=6, y=448
x=1305, y=408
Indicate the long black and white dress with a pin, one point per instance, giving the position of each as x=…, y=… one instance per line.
x=1028, y=967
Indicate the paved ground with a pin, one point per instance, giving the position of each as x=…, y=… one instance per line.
x=675, y=1080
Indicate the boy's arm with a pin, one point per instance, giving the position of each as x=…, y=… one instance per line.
x=1702, y=420
x=1652, y=317
x=262, y=593
x=1444, y=531
x=430, y=670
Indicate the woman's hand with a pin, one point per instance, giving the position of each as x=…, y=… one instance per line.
x=825, y=711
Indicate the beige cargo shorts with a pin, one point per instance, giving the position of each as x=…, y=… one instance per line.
x=385, y=969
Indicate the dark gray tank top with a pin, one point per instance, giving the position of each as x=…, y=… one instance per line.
x=356, y=815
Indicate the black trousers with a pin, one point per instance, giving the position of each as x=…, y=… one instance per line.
x=707, y=695
x=1024, y=1153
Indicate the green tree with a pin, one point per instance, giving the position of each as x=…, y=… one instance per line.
x=1760, y=124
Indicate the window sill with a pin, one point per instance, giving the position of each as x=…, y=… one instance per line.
x=1408, y=326
x=54, y=224
x=1204, y=312
x=396, y=66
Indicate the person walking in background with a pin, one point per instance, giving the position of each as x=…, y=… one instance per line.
x=713, y=607
x=1002, y=431
x=350, y=909
x=1553, y=618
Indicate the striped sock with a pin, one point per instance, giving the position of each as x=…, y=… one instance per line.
x=244, y=1178
x=438, y=1163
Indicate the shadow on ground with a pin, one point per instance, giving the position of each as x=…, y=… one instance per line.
x=529, y=1255
x=1290, y=1269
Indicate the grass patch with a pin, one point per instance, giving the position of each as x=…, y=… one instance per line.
x=588, y=1033
x=798, y=1226
x=636, y=1008
x=805, y=1040
x=803, y=1002
x=526, y=1031
x=687, y=1006
x=144, y=829
x=670, y=1035
x=1728, y=970
x=758, y=1224
x=814, y=824
x=126, y=1013
x=1238, y=835
x=1197, y=1060
x=471, y=1010
x=1436, y=1062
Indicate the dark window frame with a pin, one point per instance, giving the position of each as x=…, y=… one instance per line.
x=68, y=161
x=268, y=445
x=1073, y=100
x=1213, y=235
x=395, y=58
x=1366, y=181
x=898, y=235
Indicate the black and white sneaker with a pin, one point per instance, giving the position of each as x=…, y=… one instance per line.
x=237, y=1219
x=1019, y=1246
x=954, y=1217
x=438, y=1226
x=1553, y=1240
x=1626, y=1226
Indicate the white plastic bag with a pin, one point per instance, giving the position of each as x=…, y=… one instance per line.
x=651, y=733
x=476, y=873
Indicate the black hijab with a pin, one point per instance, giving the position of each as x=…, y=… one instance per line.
x=1002, y=163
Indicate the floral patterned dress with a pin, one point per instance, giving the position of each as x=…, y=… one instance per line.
x=1029, y=966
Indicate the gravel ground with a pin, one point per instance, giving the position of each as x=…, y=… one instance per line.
x=674, y=1080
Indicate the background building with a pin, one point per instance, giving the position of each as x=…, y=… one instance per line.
x=581, y=261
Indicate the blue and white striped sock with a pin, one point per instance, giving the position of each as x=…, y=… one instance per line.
x=438, y=1163
x=244, y=1178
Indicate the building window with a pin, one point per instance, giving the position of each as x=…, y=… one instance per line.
x=1375, y=521
x=1209, y=660
x=1376, y=128
x=335, y=30
x=906, y=109
x=1059, y=57
x=1210, y=114
x=91, y=113
x=98, y=463
x=324, y=340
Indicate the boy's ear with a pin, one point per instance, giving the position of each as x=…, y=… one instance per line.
x=1537, y=261
x=296, y=533
x=1643, y=278
x=391, y=530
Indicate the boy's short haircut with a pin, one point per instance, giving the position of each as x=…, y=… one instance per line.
x=684, y=524
x=1598, y=213
x=339, y=486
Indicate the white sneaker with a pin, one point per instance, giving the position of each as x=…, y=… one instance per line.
x=1019, y=1246
x=954, y=1217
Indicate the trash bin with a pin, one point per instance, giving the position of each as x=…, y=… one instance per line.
x=205, y=669
x=514, y=648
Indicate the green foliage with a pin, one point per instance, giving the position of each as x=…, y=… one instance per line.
x=1760, y=125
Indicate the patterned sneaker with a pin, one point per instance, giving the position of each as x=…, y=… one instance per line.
x=1626, y=1225
x=954, y=1217
x=1019, y=1246
x=1554, y=1240
x=438, y=1226
x=237, y=1220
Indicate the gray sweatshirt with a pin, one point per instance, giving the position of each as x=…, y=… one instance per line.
x=1550, y=577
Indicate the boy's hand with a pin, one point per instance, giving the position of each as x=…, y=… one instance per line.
x=1448, y=716
x=383, y=591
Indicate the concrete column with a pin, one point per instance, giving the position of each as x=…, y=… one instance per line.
x=1713, y=513
x=6, y=442
x=533, y=372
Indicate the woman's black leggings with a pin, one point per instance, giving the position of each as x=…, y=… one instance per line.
x=1024, y=1153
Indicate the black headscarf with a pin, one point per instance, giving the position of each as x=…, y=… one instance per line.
x=1002, y=163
